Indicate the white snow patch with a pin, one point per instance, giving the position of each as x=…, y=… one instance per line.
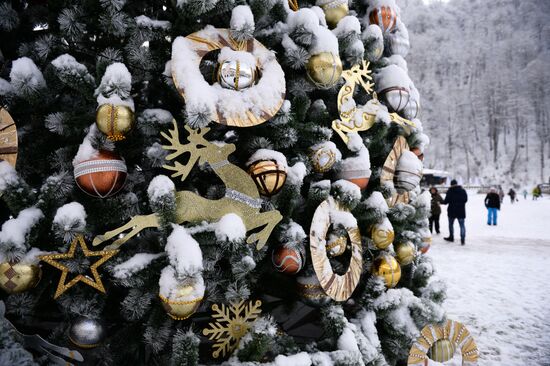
x=116, y=76
x=377, y=201
x=25, y=75
x=266, y=154
x=134, y=265
x=299, y=359
x=241, y=17
x=296, y=174
x=169, y=284
x=86, y=151
x=70, y=214
x=15, y=230
x=146, y=22
x=160, y=187
x=227, y=54
x=230, y=228
x=8, y=175
x=184, y=252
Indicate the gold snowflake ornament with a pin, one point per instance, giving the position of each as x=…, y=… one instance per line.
x=232, y=323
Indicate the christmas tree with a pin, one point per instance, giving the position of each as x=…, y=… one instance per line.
x=211, y=181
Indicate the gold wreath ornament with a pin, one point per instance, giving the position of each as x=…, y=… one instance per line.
x=8, y=138
x=187, y=54
x=338, y=287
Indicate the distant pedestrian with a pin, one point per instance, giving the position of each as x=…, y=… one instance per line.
x=456, y=198
x=536, y=193
x=436, y=210
x=492, y=202
x=524, y=194
x=512, y=195
x=501, y=193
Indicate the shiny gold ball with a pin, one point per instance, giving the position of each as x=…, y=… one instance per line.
x=442, y=350
x=386, y=266
x=323, y=159
x=335, y=10
x=269, y=176
x=336, y=245
x=405, y=253
x=181, y=309
x=236, y=75
x=17, y=277
x=310, y=291
x=324, y=69
x=382, y=234
x=115, y=121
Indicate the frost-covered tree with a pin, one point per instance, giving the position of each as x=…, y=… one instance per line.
x=75, y=74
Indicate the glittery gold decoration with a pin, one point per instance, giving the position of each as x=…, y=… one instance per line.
x=52, y=259
x=361, y=75
x=8, y=138
x=337, y=246
x=452, y=331
x=334, y=11
x=388, y=170
x=202, y=43
x=115, y=121
x=181, y=309
x=382, y=234
x=241, y=193
x=338, y=287
x=17, y=277
x=293, y=4
x=231, y=324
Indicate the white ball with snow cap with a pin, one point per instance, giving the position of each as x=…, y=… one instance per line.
x=408, y=172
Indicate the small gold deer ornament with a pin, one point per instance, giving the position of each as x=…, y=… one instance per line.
x=241, y=194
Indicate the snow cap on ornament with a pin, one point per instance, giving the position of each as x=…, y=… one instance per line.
x=383, y=13
x=393, y=86
x=398, y=41
x=374, y=41
x=356, y=169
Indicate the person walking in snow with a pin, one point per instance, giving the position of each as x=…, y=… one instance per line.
x=512, y=195
x=501, y=194
x=456, y=198
x=492, y=202
x=536, y=193
x=524, y=194
x=436, y=210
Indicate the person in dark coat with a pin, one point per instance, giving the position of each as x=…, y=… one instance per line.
x=512, y=195
x=492, y=202
x=436, y=210
x=456, y=198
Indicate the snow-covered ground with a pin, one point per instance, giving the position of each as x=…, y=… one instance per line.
x=499, y=282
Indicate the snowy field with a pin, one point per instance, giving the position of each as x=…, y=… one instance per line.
x=499, y=282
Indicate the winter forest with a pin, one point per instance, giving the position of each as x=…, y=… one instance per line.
x=482, y=67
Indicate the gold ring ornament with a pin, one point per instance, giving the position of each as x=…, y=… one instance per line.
x=8, y=138
x=227, y=106
x=439, y=343
x=338, y=287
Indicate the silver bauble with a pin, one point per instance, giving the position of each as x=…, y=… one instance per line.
x=236, y=75
x=86, y=332
x=396, y=98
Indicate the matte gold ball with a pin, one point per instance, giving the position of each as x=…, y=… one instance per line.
x=334, y=11
x=310, y=291
x=382, y=234
x=115, y=121
x=324, y=69
x=181, y=309
x=442, y=350
x=269, y=176
x=405, y=253
x=17, y=277
x=386, y=266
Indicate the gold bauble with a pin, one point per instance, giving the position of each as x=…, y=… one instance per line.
x=335, y=10
x=17, y=277
x=442, y=350
x=181, y=310
x=310, y=291
x=324, y=69
x=115, y=121
x=268, y=176
x=336, y=245
x=386, y=266
x=382, y=234
x=405, y=253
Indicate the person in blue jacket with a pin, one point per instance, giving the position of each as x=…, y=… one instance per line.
x=492, y=202
x=456, y=198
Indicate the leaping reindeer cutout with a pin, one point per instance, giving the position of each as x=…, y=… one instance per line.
x=360, y=118
x=241, y=196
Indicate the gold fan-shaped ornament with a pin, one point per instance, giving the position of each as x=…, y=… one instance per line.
x=8, y=138
x=452, y=331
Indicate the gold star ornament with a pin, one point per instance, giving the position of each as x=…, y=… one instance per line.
x=53, y=260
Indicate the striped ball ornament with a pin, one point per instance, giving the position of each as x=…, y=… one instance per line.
x=102, y=176
x=287, y=259
x=442, y=350
x=385, y=17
